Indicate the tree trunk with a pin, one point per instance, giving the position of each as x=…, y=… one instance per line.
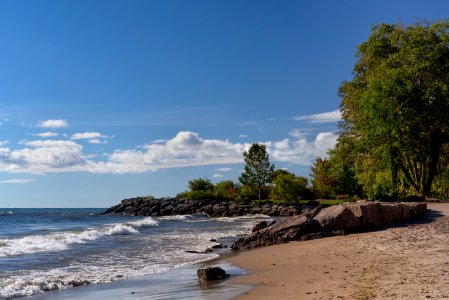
x=436, y=142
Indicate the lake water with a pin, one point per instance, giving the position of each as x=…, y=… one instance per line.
x=43, y=250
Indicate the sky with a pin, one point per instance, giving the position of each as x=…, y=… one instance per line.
x=102, y=100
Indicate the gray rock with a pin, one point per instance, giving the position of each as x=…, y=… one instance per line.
x=214, y=273
x=337, y=217
x=259, y=226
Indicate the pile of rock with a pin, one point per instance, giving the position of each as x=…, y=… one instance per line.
x=334, y=220
x=142, y=206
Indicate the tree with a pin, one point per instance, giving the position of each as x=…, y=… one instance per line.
x=322, y=178
x=201, y=184
x=258, y=168
x=396, y=106
x=289, y=188
x=225, y=188
x=342, y=159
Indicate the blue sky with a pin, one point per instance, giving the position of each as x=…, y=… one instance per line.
x=103, y=100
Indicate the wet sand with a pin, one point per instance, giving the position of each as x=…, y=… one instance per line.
x=406, y=262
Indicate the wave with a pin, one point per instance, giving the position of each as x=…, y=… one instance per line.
x=36, y=283
x=60, y=241
x=6, y=213
x=176, y=217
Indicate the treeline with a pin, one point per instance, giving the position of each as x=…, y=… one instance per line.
x=259, y=180
x=282, y=187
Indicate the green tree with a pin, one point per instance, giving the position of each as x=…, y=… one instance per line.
x=396, y=106
x=201, y=184
x=289, y=188
x=258, y=168
x=342, y=159
x=225, y=188
x=322, y=178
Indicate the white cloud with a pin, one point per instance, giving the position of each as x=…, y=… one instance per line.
x=243, y=135
x=184, y=150
x=302, y=151
x=159, y=141
x=86, y=135
x=2, y=143
x=298, y=133
x=53, y=123
x=326, y=117
x=16, y=181
x=217, y=176
x=97, y=141
x=46, y=134
x=43, y=156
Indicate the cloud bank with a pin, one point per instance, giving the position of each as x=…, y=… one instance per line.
x=186, y=149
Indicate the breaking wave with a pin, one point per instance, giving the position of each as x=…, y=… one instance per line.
x=59, y=241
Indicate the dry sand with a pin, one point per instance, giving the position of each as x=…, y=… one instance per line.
x=407, y=262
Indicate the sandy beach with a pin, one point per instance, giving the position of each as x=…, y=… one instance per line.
x=405, y=262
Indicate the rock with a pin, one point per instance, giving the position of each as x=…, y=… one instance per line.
x=214, y=273
x=368, y=213
x=259, y=226
x=289, y=229
x=391, y=214
x=208, y=250
x=337, y=217
x=414, y=198
x=218, y=246
x=319, y=235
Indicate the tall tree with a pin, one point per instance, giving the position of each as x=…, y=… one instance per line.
x=396, y=106
x=258, y=169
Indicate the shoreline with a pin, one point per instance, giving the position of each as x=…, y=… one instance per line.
x=400, y=262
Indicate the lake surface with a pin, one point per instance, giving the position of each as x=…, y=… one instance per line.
x=43, y=250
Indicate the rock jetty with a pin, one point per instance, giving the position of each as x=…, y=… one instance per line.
x=142, y=206
x=334, y=220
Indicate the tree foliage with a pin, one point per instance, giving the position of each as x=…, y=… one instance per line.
x=201, y=184
x=258, y=169
x=322, y=178
x=396, y=106
x=288, y=187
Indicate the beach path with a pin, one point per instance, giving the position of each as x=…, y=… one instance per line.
x=404, y=262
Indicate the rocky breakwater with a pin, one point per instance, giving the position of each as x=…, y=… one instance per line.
x=335, y=220
x=142, y=206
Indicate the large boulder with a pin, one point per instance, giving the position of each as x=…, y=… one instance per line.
x=368, y=213
x=391, y=213
x=337, y=217
x=289, y=229
x=214, y=273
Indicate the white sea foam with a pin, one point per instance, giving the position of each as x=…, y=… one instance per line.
x=6, y=213
x=176, y=217
x=38, y=282
x=63, y=240
x=121, y=229
x=147, y=222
